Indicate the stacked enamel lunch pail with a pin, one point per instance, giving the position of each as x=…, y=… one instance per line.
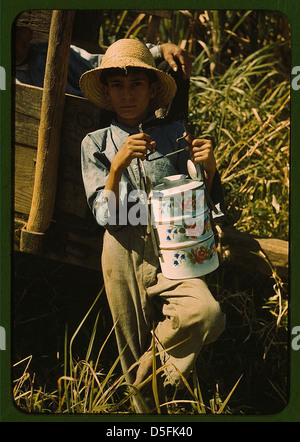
x=182, y=219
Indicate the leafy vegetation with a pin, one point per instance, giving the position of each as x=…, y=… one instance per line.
x=246, y=109
x=240, y=94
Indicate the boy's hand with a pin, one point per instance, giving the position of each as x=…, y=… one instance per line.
x=136, y=146
x=201, y=151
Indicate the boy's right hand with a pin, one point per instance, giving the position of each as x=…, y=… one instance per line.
x=136, y=146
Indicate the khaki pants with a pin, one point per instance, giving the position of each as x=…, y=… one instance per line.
x=185, y=314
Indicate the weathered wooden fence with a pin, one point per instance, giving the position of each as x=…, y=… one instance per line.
x=73, y=235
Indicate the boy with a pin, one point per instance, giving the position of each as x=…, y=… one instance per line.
x=189, y=317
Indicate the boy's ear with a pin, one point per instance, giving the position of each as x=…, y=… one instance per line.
x=153, y=89
x=106, y=92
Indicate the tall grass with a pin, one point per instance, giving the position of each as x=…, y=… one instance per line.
x=251, y=352
x=85, y=388
x=247, y=111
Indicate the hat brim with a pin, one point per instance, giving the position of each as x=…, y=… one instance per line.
x=94, y=90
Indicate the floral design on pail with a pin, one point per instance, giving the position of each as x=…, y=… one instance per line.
x=188, y=204
x=183, y=204
x=195, y=230
x=187, y=230
x=176, y=233
x=165, y=207
x=198, y=254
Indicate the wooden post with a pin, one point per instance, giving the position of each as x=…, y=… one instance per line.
x=44, y=191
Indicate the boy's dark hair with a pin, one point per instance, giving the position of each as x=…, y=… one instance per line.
x=106, y=73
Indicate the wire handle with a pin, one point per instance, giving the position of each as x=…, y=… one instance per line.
x=146, y=184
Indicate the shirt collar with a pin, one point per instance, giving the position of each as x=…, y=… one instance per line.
x=131, y=130
x=120, y=132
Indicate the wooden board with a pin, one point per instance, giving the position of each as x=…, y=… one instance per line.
x=37, y=19
x=255, y=255
x=75, y=236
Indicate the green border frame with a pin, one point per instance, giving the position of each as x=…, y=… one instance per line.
x=8, y=12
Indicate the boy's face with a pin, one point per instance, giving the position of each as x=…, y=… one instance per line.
x=130, y=96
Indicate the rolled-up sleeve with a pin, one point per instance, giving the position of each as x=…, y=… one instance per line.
x=95, y=171
x=95, y=167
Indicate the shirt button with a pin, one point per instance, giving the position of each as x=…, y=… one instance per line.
x=135, y=166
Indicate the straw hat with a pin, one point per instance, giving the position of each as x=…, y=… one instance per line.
x=121, y=54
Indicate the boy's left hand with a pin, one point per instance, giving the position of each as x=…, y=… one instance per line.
x=201, y=151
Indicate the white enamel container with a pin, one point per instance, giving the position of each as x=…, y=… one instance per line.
x=193, y=228
x=182, y=220
x=189, y=260
x=176, y=198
